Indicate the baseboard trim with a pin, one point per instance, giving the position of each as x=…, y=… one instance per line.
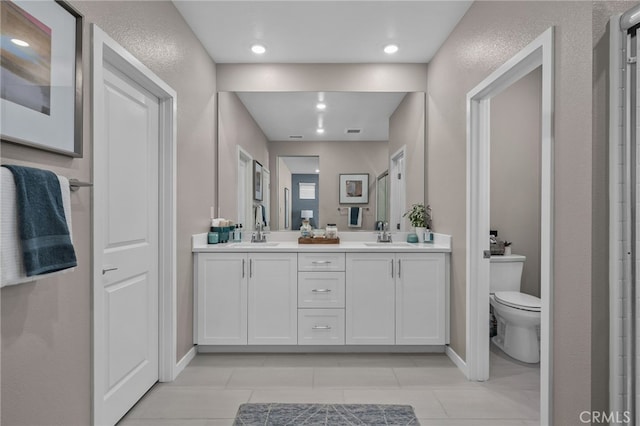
x=459, y=362
x=321, y=349
x=184, y=361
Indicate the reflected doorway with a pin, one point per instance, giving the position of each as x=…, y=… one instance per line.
x=298, y=181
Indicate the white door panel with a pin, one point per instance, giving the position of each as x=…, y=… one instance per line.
x=128, y=203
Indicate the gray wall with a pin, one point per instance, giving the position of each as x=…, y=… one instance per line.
x=516, y=122
x=277, y=199
x=337, y=157
x=236, y=127
x=46, y=325
x=488, y=35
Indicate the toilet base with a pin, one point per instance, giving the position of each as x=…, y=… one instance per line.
x=527, y=355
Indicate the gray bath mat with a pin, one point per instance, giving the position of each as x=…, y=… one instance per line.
x=325, y=415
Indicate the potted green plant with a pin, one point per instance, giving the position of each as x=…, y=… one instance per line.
x=420, y=218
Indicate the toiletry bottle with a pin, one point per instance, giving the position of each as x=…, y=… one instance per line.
x=212, y=236
x=240, y=233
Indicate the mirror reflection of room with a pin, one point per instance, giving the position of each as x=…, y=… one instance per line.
x=305, y=142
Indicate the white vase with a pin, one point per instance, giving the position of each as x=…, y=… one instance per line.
x=420, y=232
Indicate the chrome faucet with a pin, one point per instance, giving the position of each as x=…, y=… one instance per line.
x=259, y=235
x=385, y=235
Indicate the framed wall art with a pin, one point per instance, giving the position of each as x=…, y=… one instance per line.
x=41, y=84
x=354, y=188
x=257, y=181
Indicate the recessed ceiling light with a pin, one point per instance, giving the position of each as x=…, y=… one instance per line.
x=19, y=42
x=321, y=106
x=390, y=49
x=317, y=170
x=320, y=130
x=258, y=49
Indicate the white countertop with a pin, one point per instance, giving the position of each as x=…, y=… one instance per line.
x=286, y=242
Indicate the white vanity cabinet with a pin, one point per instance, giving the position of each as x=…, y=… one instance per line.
x=246, y=298
x=396, y=298
x=272, y=299
x=420, y=300
x=370, y=294
x=321, y=301
x=299, y=297
x=221, y=298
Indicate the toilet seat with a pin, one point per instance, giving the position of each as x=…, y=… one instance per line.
x=517, y=300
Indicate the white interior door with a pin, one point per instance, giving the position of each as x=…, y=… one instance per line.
x=126, y=205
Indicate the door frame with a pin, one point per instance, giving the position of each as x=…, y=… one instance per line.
x=246, y=158
x=397, y=201
x=105, y=49
x=539, y=52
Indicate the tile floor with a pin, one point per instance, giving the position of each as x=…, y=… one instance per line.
x=210, y=389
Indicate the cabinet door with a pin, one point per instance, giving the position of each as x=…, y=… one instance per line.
x=221, y=299
x=370, y=299
x=273, y=300
x=420, y=299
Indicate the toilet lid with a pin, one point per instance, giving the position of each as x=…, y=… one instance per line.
x=518, y=300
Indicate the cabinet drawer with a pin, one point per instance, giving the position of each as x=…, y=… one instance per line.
x=320, y=262
x=320, y=289
x=321, y=326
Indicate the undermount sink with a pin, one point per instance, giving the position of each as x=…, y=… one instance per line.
x=401, y=244
x=252, y=245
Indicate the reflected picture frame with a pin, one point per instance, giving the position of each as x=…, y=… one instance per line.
x=257, y=181
x=287, y=208
x=354, y=188
x=41, y=85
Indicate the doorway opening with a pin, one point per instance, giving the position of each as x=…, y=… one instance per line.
x=538, y=53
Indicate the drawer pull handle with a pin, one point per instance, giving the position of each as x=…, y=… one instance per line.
x=109, y=269
x=321, y=262
x=321, y=290
x=321, y=327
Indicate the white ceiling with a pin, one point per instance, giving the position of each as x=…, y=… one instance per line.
x=302, y=165
x=322, y=31
x=284, y=114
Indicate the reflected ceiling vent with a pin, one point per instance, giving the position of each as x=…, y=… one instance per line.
x=353, y=131
x=295, y=137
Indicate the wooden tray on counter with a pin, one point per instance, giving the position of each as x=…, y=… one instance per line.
x=309, y=240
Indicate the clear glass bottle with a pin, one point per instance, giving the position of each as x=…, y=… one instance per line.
x=237, y=236
x=331, y=231
x=305, y=229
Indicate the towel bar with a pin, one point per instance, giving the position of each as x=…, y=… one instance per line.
x=75, y=184
x=345, y=208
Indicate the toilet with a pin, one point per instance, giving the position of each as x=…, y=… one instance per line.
x=517, y=314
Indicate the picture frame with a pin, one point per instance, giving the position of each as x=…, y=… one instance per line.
x=257, y=181
x=41, y=85
x=287, y=208
x=354, y=188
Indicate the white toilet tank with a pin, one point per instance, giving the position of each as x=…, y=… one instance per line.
x=506, y=273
